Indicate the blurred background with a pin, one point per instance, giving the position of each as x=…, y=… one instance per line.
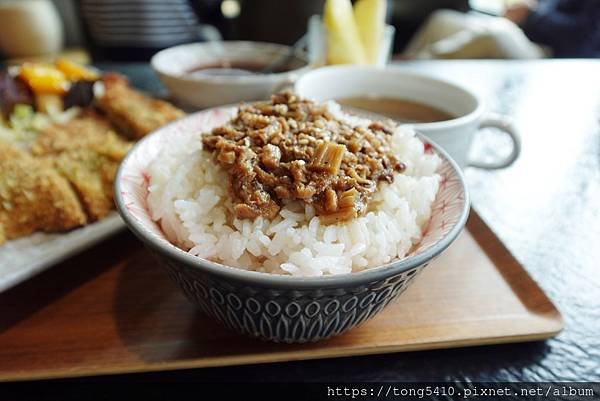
x=425, y=29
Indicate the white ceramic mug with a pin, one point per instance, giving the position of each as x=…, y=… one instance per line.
x=454, y=135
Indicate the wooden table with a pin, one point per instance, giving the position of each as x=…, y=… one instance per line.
x=546, y=208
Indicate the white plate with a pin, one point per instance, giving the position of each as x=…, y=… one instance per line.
x=25, y=257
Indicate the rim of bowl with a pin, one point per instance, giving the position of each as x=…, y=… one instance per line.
x=369, y=275
x=400, y=70
x=298, y=54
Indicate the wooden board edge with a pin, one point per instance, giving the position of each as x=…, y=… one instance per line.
x=278, y=357
x=482, y=232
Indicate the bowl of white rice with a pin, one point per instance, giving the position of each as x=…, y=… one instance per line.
x=291, y=275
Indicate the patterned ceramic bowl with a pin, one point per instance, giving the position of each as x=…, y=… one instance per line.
x=276, y=307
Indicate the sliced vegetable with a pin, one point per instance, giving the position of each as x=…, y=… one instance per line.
x=328, y=157
x=21, y=113
x=75, y=71
x=43, y=78
x=346, y=208
x=343, y=41
x=80, y=94
x=49, y=103
x=13, y=91
x=370, y=20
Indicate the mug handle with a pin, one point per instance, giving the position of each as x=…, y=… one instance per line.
x=505, y=125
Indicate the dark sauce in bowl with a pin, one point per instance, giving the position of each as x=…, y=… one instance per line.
x=233, y=67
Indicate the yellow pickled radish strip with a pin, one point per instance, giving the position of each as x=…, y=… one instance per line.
x=370, y=21
x=328, y=157
x=344, y=45
x=75, y=71
x=43, y=78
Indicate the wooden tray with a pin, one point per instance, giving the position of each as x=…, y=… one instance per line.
x=113, y=310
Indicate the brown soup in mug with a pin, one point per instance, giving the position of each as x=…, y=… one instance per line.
x=406, y=111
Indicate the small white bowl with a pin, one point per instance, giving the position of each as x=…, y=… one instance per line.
x=173, y=65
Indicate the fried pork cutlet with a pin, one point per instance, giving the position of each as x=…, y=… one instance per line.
x=87, y=153
x=131, y=111
x=34, y=197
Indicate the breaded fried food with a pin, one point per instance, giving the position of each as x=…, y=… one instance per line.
x=132, y=112
x=34, y=197
x=89, y=130
x=91, y=175
x=87, y=153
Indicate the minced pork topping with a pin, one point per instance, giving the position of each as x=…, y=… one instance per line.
x=290, y=148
